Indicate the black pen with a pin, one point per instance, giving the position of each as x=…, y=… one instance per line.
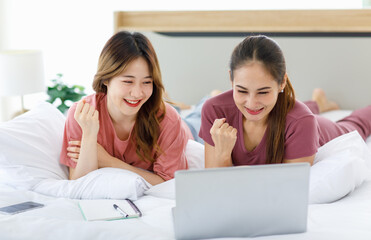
x=120, y=211
x=136, y=209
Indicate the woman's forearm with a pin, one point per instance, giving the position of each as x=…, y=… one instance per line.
x=106, y=160
x=215, y=158
x=88, y=159
x=150, y=177
x=109, y=161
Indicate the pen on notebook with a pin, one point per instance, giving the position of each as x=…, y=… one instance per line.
x=136, y=209
x=120, y=211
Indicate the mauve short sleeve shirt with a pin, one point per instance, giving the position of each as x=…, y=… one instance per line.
x=172, y=140
x=302, y=137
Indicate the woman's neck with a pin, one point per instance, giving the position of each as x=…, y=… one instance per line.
x=254, y=124
x=253, y=133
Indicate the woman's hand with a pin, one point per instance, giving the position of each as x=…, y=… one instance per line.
x=87, y=117
x=224, y=138
x=73, y=150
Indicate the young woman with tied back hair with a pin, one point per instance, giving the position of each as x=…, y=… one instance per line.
x=126, y=124
x=259, y=121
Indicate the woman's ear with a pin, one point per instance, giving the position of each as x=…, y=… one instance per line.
x=283, y=84
x=231, y=77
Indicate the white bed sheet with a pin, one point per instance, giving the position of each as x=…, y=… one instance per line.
x=348, y=218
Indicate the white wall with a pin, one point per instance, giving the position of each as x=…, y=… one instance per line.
x=71, y=34
x=341, y=65
x=7, y=104
x=2, y=23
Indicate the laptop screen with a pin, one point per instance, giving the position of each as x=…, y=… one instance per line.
x=245, y=201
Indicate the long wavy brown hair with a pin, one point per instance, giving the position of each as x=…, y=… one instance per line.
x=265, y=50
x=120, y=50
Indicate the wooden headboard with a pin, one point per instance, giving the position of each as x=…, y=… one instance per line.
x=358, y=20
x=330, y=49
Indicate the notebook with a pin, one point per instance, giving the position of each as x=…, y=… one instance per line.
x=245, y=201
x=108, y=209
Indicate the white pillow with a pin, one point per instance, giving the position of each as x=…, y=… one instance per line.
x=104, y=183
x=340, y=166
x=163, y=190
x=195, y=153
x=368, y=142
x=108, y=182
x=30, y=146
x=15, y=176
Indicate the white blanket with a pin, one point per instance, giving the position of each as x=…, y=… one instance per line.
x=348, y=218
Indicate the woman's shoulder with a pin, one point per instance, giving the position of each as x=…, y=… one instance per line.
x=222, y=105
x=172, y=124
x=222, y=99
x=299, y=112
x=171, y=113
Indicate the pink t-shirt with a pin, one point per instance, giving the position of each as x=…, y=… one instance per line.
x=172, y=140
x=302, y=133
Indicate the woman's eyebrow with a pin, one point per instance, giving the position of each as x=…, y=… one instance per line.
x=259, y=89
x=241, y=87
x=264, y=88
x=128, y=76
x=131, y=76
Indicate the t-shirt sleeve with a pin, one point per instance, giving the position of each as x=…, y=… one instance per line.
x=302, y=138
x=72, y=131
x=172, y=142
x=208, y=116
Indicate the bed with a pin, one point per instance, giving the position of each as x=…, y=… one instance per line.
x=340, y=192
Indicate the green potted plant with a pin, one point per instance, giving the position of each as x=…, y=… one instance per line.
x=64, y=95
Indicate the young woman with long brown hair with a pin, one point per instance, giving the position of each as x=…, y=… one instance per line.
x=259, y=121
x=126, y=124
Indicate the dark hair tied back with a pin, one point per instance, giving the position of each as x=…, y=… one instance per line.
x=265, y=50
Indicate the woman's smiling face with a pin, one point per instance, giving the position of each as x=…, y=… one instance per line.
x=127, y=92
x=255, y=91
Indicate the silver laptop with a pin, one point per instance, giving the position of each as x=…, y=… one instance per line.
x=246, y=201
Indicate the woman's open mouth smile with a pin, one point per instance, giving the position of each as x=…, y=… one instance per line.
x=132, y=103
